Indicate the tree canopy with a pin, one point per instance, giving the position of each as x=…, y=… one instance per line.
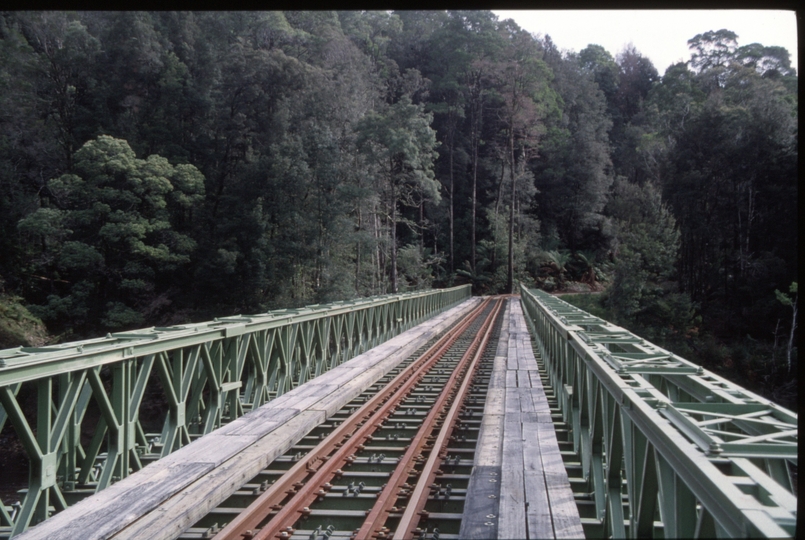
x=163, y=166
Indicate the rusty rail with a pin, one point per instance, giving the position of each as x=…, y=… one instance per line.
x=290, y=496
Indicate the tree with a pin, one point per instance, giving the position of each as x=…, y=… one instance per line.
x=597, y=61
x=643, y=291
x=67, y=54
x=400, y=145
x=111, y=235
x=574, y=172
x=767, y=61
x=790, y=301
x=712, y=49
x=521, y=79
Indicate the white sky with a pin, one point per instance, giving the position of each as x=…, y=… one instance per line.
x=661, y=35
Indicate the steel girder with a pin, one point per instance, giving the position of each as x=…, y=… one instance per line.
x=88, y=431
x=667, y=448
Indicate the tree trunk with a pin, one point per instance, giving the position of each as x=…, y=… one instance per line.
x=393, y=239
x=451, y=205
x=422, y=227
x=377, y=275
x=474, y=198
x=510, y=276
x=477, y=110
x=791, y=335
x=497, y=211
x=358, y=254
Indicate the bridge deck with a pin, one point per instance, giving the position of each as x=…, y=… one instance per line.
x=518, y=487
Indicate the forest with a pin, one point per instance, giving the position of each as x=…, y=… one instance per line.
x=163, y=167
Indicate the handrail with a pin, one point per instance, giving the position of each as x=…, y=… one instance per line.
x=708, y=457
x=210, y=373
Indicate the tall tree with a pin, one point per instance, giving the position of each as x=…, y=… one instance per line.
x=574, y=172
x=712, y=49
x=112, y=235
x=400, y=145
x=522, y=84
x=731, y=168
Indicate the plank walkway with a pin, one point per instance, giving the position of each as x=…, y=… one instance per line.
x=518, y=488
x=170, y=495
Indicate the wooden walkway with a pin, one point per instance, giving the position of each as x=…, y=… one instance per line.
x=519, y=488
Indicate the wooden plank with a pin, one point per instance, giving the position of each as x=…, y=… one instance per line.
x=490, y=435
x=526, y=404
x=314, y=395
x=538, y=513
x=512, y=522
x=290, y=399
x=339, y=375
x=528, y=364
x=511, y=356
x=194, y=501
x=498, y=378
x=511, y=378
x=334, y=401
x=540, y=402
x=495, y=401
x=188, y=476
x=482, y=501
x=565, y=513
x=259, y=422
x=512, y=402
x=539, y=521
x=536, y=380
x=107, y=512
x=214, y=449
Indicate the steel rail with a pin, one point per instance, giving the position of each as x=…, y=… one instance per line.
x=344, y=441
x=419, y=497
x=281, y=524
x=377, y=516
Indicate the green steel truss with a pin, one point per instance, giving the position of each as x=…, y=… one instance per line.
x=87, y=432
x=667, y=448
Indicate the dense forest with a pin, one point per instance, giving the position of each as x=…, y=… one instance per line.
x=159, y=167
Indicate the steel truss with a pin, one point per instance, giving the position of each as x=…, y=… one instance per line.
x=202, y=375
x=667, y=448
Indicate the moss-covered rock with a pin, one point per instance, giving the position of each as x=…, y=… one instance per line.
x=18, y=327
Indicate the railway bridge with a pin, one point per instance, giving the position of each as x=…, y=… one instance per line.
x=428, y=415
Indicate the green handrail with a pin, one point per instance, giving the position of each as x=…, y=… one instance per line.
x=210, y=373
x=666, y=447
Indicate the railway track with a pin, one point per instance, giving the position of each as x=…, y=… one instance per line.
x=392, y=463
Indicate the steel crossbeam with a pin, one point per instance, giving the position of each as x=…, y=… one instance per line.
x=667, y=448
x=89, y=430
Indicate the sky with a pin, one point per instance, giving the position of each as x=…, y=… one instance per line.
x=661, y=35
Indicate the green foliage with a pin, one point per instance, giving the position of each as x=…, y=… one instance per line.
x=785, y=299
x=18, y=326
x=642, y=291
x=712, y=49
x=415, y=270
x=118, y=211
x=300, y=157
